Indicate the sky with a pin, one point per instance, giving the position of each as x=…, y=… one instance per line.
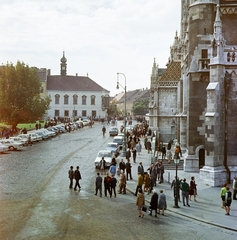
x=100, y=37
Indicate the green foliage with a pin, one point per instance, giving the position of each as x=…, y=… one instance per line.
x=112, y=110
x=140, y=107
x=20, y=94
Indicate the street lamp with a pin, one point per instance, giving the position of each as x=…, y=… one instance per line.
x=176, y=185
x=123, y=154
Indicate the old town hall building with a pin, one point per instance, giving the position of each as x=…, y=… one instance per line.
x=194, y=100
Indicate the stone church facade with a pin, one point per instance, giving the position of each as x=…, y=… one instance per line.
x=197, y=104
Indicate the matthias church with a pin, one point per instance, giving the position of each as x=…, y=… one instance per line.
x=194, y=99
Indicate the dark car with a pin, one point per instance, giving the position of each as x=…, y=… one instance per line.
x=113, y=131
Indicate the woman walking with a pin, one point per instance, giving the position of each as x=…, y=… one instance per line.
x=192, y=189
x=140, y=202
x=162, y=203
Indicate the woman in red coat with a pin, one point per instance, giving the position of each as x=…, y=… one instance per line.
x=192, y=189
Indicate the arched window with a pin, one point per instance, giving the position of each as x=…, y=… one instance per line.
x=57, y=97
x=66, y=99
x=83, y=100
x=75, y=99
x=93, y=100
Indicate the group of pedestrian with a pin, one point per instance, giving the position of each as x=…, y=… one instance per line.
x=74, y=175
x=226, y=196
x=157, y=203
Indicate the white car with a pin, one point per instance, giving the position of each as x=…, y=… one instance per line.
x=111, y=146
x=19, y=139
x=26, y=136
x=3, y=148
x=107, y=154
x=35, y=136
x=11, y=144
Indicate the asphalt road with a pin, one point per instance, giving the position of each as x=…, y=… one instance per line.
x=36, y=202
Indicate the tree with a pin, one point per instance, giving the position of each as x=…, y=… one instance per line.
x=20, y=94
x=112, y=110
x=140, y=107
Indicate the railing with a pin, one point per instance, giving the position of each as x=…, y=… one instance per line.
x=203, y=64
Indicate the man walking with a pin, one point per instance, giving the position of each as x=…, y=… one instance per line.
x=98, y=184
x=77, y=176
x=185, y=191
x=122, y=183
x=128, y=169
x=140, y=169
x=107, y=185
x=71, y=176
x=139, y=183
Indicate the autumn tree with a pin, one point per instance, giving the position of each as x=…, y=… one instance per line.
x=20, y=94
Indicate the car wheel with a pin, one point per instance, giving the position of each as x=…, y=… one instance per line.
x=11, y=148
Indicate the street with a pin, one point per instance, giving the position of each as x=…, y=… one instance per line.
x=36, y=202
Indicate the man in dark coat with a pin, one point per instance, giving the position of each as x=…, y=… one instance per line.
x=71, y=176
x=77, y=176
x=154, y=202
x=122, y=165
x=98, y=184
x=128, y=169
x=107, y=185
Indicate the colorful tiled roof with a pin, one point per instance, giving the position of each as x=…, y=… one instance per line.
x=172, y=73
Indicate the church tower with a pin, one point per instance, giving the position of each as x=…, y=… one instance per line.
x=63, y=65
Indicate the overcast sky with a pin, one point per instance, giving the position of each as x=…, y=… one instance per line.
x=99, y=37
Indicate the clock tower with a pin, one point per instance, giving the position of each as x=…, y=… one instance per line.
x=63, y=65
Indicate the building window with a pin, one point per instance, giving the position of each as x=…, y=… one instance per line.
x=204, y=53
x=66, y=99
x=83, y=113
x=56, y=113
x=41, y=89
x=66, y=113
x=57, y=99
x=93, y=100
x=83, y=100
x=74, y=113
x=75, y=98
x=93, y=113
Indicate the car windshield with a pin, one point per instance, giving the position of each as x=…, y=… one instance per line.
x=104, y=154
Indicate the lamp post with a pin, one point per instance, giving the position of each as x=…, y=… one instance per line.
x=123, y=154
x=176, y=185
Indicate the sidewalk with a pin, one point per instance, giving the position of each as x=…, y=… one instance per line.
x=207, y=209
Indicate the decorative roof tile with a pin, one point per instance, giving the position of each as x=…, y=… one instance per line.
x=172, y=73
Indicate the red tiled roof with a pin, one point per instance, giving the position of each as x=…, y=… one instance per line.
x=72, y=83
x=172, y=73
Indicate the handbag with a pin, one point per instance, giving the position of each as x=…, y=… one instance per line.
x=144, y=209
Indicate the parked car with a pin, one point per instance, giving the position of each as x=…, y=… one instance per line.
x=34, y=136
x=42, y=134
x=118, y=139
x=26, y=136
x=113, y=131
x=11, y=144
x=112, y=146
x=86, y=122
x=3, y=148
x=19, y=139
x=107, y=154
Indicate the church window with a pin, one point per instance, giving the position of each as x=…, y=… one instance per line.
x=83, y=100
x=66, y=99
x=93, y=100
x=57, y=99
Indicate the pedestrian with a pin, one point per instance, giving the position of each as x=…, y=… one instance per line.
x=122, y=165
x=162, y=205
x=138, y=147
x=134, y=154
x=140, y=202
x=153, y=174
x=185, y=191
x=98, y=184
x=140, y=169
x=71, y=176
x=228, y=200
x=176, y=185
x=102, y=164
x=163, y=152
x=112, y=169
x=139, y=183
x=160, y=171
x=192, y=189
x=223, y=192
x=177, y=152
x=107, y=185
x=145, y=142
x=77, y=176
x=148, y=146
x=235, y=188
x=113, y=186
x=128, y=169
x=122, y=183
x=146, y=182
x=154, y=202
x=128, y=154
x=169, y=153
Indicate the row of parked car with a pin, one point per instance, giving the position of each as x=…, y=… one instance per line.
x=21, y=140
